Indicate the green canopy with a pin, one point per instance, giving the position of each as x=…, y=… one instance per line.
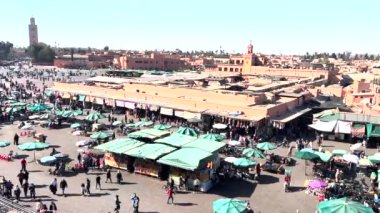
x=143, y=123
x=150, y=151
x=82, y=98
x=120, y=145
x=187, y=158
x=214, y=137
x=323, y=156
x=244, y=162
x=342, y=205
x=18, y=104
x=306, y=155
x=176, y=140
x=33, y=146
x=206, y=145
x=38, y=108
x=252, y=152
x=10, y=101
x=151, y=134
x=227, y=205
x=369, y=127
x=374, y=158
x=266, y=146
x=100, y=135
x=13, y=109
x=162, y=126
x=187, y=131
x=330, y=117
x=30, y=146
x=46, y=116
x=117, y=123
x=94, y=116
x=339, y=152
x=4, y=143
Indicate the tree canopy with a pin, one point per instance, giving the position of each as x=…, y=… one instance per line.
x=5, y=49
x=41, y=53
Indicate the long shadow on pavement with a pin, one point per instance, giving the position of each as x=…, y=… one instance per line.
x=110, y=189
x=234, y=188
x=296, y=188
x=38, y=186
x=34, y=171
x=185, y=204
x=98, y=194
x=268, y=179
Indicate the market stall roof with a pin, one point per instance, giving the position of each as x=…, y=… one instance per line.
x=324, y=126
x=330, y=117
x=120, y=145
x=292, y=115
x=186, y=158
x=176, y=140
x=152, y=134
x=324, y=113
x=207, y=145
x=150, y=151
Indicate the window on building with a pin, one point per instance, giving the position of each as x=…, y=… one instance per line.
x=236, y=69
x=231, y=69
x=145, y=62
x=225, y=69
x=220, y=69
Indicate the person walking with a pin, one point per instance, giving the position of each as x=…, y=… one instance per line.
x=63, y=185
x=53, y=207
x=26, y=175
x=53, y=186
x=23, y=164
x=32, y=191
x=15, y=139
x=117, y=204
x=119, y=177
x=258, y=170
x=170, y=193
x=97, y=182
x=135, y=203
x=25, y=187
x=108, y=175
x=88, y=184
x=17, y=193
x=79, y=157
x=83, y=190
x=20, y=177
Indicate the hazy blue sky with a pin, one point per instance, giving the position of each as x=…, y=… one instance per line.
x=282, y=26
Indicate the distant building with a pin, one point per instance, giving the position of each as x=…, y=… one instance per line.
x=152, y=61
x=93, y=61
x=33, y=32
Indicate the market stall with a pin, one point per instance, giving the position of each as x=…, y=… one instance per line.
x=115, y=149
x=148, y=134
x=195, y=165
x=146, y=156
x=176, y=140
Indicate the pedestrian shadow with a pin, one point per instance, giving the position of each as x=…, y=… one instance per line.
x=21, y=156
x=127, y=183
x=34, y=171
x=234, y=188
x=55, y=146
x=95, y=173
x=296, y=188
x=185, y=204
x=98, y=194
x=268, y=179
x=39, y=186
x=70, y=195
x=110, y=189
x=40, y=198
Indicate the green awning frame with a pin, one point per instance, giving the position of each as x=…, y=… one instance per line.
x=150, y=151
x=120, y=145
x=206, y=145
x=176, y=140
x=82, y=98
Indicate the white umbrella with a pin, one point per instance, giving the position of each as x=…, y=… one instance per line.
x=233, y=143
x=230, y=159
x=27, y=127
x=78, y=133
x=351, y=158
x=356, y=146
x=33, y=117
x=84, y=143
x=219, y=126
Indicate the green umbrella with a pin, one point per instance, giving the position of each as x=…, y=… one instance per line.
x=374, y=158
x=187, y=131
x=18, y=104
x=226, y=205
x=94, y=116
x=339, y=152
x=13, y=109
x=244, y=162
x=162, y=126
x=46, y=116
x=33, y=146
x=251, y=152
x=38, y=108
x=75, y=125
x=100, y=135
x=4, y=143
x=266, y=146
x=342, y=205
x=213, y=137
x=78, y=112
x=8, y=102
x=306, y=156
